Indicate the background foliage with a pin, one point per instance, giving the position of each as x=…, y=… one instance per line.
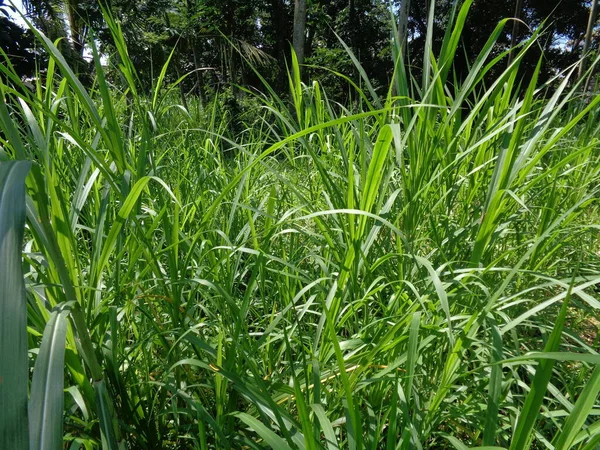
x=223, y=40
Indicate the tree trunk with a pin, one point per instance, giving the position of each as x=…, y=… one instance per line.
x=76, y=27
x=278, y=23
x=352, y=27
x=588, y=38
x=199, y=77
x=515, y=30
x=403, y=26
x=231, y=33
x=299, y=34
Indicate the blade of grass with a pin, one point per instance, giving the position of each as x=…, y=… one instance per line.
x=14, y=367
x=494, y=389
x=326, y=426
x=586, y=401
x=274, y=441
x=47, y=396
x=529, y=413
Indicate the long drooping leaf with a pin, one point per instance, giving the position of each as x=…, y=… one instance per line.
x=14, y=370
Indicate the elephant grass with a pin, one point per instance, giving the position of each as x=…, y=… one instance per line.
x=407, y=272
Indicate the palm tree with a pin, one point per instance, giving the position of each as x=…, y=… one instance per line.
x=299, y=29
x=67, y=20
x=403, y=25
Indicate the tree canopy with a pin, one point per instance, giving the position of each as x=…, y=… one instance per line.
x=16, y=43
x=223, y=42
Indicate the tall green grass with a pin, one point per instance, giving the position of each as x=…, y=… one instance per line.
x=412, y=271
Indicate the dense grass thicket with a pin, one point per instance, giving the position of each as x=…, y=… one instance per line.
x=417, y=270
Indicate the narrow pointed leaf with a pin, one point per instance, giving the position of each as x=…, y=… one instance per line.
x=47, y=397
x=274, y=441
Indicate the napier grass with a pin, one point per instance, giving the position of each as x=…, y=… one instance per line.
x=417, y=270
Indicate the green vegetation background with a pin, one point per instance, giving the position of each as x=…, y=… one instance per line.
x=417, y=268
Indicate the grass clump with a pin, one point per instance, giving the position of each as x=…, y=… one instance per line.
x=394, y=275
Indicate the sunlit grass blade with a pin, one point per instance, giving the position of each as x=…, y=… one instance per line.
x=374, y=174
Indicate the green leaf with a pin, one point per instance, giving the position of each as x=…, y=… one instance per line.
x=580, y=412
x=460, y=446
x=528, y=415
x=124, y=213
x=494, y=389
x=412, y=355
x=8, y=127
x=14, y=370
x=591, y=433
x=106, y=415
x=375, y=173
x=47, y=398
x=274, y=441
x=557, y=356
x=326, y=426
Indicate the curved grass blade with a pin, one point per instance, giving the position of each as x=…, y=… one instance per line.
x=326, y=426
x=591, y=434
x=593, y=443
x=124, y=213
x=47, y=398
x=274, y=441
x=375, y=174
x=460, y=446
